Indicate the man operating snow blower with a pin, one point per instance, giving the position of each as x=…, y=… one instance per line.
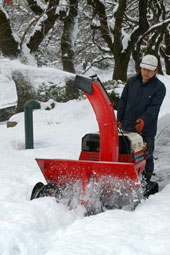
x=139, y=107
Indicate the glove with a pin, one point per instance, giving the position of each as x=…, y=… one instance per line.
x=120, y=124
x=140, y=125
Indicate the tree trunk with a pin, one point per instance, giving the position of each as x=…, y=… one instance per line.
x=8, y=45
x=153, y=47
x=67, y=48
x=121, y=66
x=137, y=57
x=165, y=51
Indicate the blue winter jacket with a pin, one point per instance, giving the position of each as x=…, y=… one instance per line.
x=141, y=101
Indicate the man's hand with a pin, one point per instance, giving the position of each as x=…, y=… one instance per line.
x=120, y=124
x=140, y=125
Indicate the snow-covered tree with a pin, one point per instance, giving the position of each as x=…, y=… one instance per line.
x=41, y=19
x=130, y=28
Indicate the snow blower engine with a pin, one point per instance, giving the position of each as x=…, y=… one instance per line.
x=107, y=174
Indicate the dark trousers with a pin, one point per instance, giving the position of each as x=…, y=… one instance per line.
x=149, y=168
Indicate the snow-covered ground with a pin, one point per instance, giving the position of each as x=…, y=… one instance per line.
x=42, y=226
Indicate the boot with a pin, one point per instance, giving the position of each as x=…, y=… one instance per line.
x=149, y=187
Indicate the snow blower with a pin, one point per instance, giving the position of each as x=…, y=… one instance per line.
x=111, y=161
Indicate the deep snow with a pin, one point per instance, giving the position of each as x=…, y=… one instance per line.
x=42, y=226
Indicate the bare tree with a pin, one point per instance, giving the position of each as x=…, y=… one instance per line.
x=41, y=22
x=122, y=35
x=131, y=28
x=154, y=39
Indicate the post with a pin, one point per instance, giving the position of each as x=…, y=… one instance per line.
x=28, y=115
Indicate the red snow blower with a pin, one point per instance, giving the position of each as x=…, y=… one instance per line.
x=110, y=163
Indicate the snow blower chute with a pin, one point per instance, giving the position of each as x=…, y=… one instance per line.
x=110, y=163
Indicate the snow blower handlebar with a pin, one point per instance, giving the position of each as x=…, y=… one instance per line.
x=103, y=108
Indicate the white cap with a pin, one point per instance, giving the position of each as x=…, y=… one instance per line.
x=149, y=62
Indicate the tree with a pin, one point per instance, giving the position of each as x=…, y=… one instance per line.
x=42, y=21
x=125, y=31
x=125, y=25
x=67, y=15
x=154, y=39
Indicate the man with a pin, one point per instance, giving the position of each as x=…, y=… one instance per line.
x=139, y=107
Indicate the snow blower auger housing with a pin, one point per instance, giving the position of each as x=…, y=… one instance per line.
x=110, y=163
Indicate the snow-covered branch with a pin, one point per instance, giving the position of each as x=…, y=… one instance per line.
x=154, y=27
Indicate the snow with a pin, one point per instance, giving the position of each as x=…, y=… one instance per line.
x=8, y=93
x=126, y=39
x=62, y=6
x=37, y=75
x=42, y=226
x=42, y=5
